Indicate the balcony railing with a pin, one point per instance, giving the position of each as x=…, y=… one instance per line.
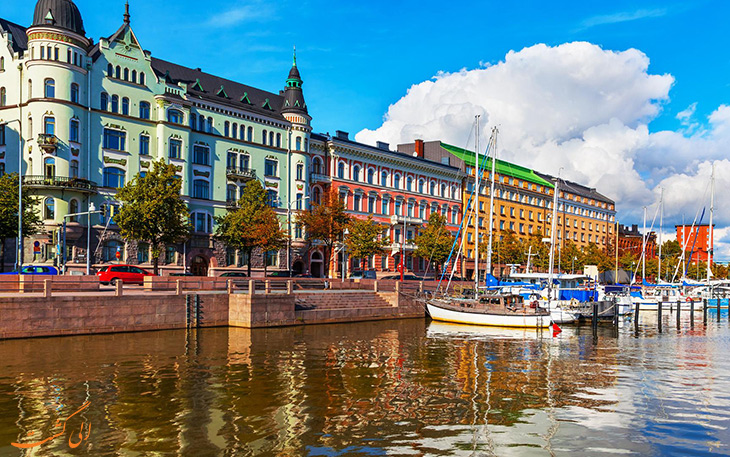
x=318, y=177
x=47, y=142
x=63, y=182
x=241, y=173
x=232, y=204
x=395, y=220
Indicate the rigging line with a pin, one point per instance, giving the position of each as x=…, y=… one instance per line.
x=642, y=257
x=684, y=247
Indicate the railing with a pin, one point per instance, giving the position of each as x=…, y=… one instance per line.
x=60, y=181
x=394, y=220
x=241, y=173
x=317, y=177
x=47, y=142
x=232, y=204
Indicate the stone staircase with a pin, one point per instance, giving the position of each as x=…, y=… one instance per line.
x=344, y=300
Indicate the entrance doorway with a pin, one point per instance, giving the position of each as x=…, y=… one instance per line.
x=316, y=265
x=298, y=267
x=199, y=266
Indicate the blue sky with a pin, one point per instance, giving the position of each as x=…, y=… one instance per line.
x=359, y=57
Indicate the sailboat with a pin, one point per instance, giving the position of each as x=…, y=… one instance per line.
x=482, y=307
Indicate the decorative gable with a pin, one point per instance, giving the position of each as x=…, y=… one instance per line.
x=245, y=99
x=197, y=86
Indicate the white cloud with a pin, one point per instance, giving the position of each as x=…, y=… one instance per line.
x=581, y=108
x=255, y=11
x=624, y=16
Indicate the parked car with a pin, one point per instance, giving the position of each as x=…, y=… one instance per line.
x=234, y=274
x=128, y=274
x=408, y=277
x=280, y=274
x=367, y=274
x=35, y=270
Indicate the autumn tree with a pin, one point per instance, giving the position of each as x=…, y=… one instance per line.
x=238, y=228
x=434, y=242
x=510, y=249
x=594, y=255
x=9, y=213
x=540, y=251
x=364, y=238
x=152, y=209
x=268, y=234
x=325, y=222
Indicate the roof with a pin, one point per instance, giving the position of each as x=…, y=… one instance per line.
x=20, y=39
x=59, y=13
x=220, y=90
x=503, y=168
x=580, y=190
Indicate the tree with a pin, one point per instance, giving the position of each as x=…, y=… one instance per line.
x=325, y=222
x=435, y=241
x=238, y=228
x=510, y=249
x=152, y=210
x=364, y=238
x=268, y=234
x=594, y=255
x=9, y=213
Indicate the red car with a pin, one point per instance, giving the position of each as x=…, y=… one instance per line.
x=128, y=274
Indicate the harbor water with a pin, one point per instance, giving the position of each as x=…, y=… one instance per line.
x=400, y=388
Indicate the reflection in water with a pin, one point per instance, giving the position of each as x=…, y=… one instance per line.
x=395, y=388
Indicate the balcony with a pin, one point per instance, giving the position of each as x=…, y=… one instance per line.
x=241, y=173
x=318, y=177
x=395, y=220
x=47, y=142
x=60, y=182
x=410, y=246
x=232, y=204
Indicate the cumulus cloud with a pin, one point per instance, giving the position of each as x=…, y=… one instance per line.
x=581, y=108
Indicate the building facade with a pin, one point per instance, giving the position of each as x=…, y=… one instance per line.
x=631, y=240
x=697, y=241
x=88, y=117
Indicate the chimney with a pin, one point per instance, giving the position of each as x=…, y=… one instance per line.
x=342, y=135
x=383, y=146
x=419, y=148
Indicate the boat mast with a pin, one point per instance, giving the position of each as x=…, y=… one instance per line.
x=615, y=274
x=493, y=146
x=643, y=251
x=711, y=247
x=477, y=172
x=553, y=226
x=661, y=228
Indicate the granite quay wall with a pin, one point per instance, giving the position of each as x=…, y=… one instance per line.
x=54, y=310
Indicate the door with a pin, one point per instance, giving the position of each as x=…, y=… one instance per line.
x=199, y=266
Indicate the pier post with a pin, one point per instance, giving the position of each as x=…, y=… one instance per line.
x=594, y=319
x=615, y=313
x=252, y=287
x=636, y=317
x=229, y=286
x=47, y=287
x=375, y=286
x=119, y=289
x=178, y=287
x=704, y=311
x=692, y=314
x=659, y=315
x=718, y=309
x=397, y=287
x=289, y=287
x=267, y=286
x=679, y=308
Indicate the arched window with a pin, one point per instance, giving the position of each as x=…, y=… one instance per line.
x=49, y=125
x=104, y=104
x=317, y=165
x=74, y=93
x=118, y=72
x=73, y=207
x=49, y=208
x=201, y=189
x=371, y=176
x=74, y=169
x=193, y=122
x=125, y=106
x=243, y=133
x=134, y=76
x=3, y=97
x=210, y=125
x=443, y=190
x=271, y=138
x=126, y=74
x=175, y=116
x=110, y=70
x=341, y=170
x=50, y=88
x=49, y=168
x=113, y=177
x=409, y=184
x=263, y=137
x=234, y=131
x=356, y=173
x=227, y=129
x=2, y=63
x=278, y=140
x=201, y=123
x=420, y=186
x=316, y=195
x=144, y=110
x=30, y=88
x=249, y=134
x=74, y=130
x=396, y=181
x=384, y=178
x=231, y=191
x=141, y=77
x=115, y=103
x=433, y=188
x=109, y=251
x=299, y=144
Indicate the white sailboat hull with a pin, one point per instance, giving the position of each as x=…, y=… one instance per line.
x=516, y=320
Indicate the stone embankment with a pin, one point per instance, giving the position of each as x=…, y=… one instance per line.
x=43, y=306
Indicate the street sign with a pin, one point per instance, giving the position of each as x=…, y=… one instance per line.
x=119, y=253
x=37, y=247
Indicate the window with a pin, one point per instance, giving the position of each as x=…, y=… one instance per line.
x=270, y=167
x=3, y=97
x=384, y=178
x=396, y=181
x=356, y=202
x=49, y=168
x=263, y=137
x=245, y=162
x=271, y=138
x=202, y=222
x=110, y=249
x=175, y=116
x=371, y=176
x=300, y=171
x=193, y=122
x=371, y=204
x=134, y=76
x=110, y=70
x=144, y=145
x=126, y=74
x=272, y=198
x=74, y=168
x=227, y=129
x=118, y=72
x=49, y=125
x=299, y=200
x=272, y=258
x=341, y=170
x=249, y=134
x=356, y=173
x=278, y=140
x=398, y=206
x=104, y=104
x=143, y=253
x=433, y=188
x=74, y=128
x=73, y=208
x=50, y=88
x=74, y=93
x=170, y=252
x=231, y=191
x=113, y=177
x=2, y=134
x=201, y=189
x=115, y=139
x=2, y=63
x=420, y=186
x=299, y=143
x=234, y=132
x=409, y=184
x=125, y=106
x=49, y=208
x=298, y=231
x=201, y=154
x=115, y=103
x=384, y=207
x=141, y=77
x=175, y=151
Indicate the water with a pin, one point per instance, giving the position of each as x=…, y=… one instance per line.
x=381, y=388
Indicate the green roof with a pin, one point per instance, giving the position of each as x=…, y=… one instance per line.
x=503, y=168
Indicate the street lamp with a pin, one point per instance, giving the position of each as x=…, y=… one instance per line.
x=344, y=255
x=288, y=227
x=19, y=241
x=572, y=265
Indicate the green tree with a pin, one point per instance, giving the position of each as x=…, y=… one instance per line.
x=325, y=222
x=434, y=241
x=238, y=228
x=571, y=257
x=268, y=234
x=594, y=255
x=510, y=249
x=9, y=213
x=364, y=238
x=152, y=210
x=671, y=248
x=539, y=250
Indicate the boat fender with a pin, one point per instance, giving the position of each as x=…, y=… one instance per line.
x=533, y=304
x=689, y=299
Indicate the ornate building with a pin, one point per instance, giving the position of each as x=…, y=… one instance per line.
x=88, y=117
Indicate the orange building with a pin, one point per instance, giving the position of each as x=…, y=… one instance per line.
x=698, y=241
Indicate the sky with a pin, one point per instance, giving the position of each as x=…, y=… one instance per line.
x=629, y=97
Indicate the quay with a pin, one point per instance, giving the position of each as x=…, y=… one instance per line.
x=68, y=305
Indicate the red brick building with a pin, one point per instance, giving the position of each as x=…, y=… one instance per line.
x=630, y=239
x=698, y=242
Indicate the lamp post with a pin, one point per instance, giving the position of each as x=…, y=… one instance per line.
x=88, y=237
x=288, y=227
x=344, y=255
x=572, y=265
